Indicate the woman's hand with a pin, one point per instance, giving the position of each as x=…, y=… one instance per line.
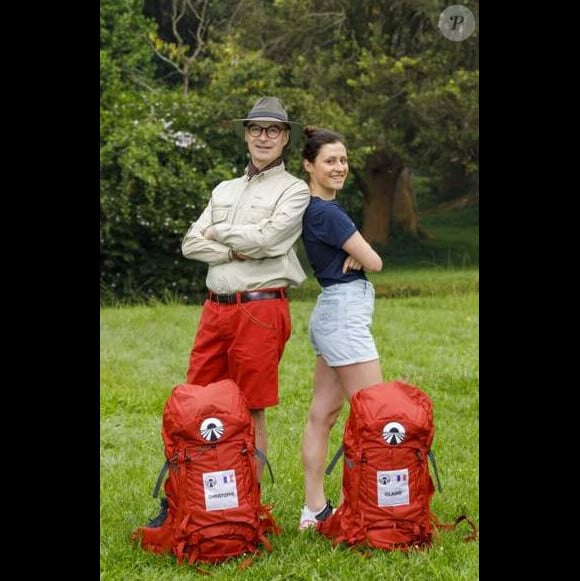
x=351, y=264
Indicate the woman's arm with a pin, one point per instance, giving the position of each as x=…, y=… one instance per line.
x=362, y=252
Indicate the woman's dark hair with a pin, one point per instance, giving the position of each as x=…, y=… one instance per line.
x=316, y=138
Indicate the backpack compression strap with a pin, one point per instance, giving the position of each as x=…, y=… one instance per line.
x=449, y=526
x=340, y=451
x=165, y=468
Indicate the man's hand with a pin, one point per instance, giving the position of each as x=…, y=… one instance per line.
x=351, y=264
x=233, y=255
x=239, y=256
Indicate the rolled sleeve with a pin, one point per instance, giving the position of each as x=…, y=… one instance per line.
x=195, y=247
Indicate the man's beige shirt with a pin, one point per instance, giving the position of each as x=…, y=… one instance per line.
x=260, y=218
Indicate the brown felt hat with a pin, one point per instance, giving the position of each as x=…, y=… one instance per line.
x=270, y=109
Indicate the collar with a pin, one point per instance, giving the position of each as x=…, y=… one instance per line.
x=252, y=170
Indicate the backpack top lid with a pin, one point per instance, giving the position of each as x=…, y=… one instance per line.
x=202, y=415
x=399, y=411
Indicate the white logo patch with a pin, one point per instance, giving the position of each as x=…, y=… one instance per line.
x=211, y=429
x=394, y=433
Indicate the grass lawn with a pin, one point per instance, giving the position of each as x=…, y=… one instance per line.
x=428, y=337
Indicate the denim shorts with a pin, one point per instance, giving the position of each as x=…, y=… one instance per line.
x=340, y=323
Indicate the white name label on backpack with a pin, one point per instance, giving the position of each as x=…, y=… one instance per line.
x=220, y=490
x=393, y=487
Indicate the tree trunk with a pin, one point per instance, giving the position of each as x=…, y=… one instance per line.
x=378, y=184
x=405, y=203
x=389, y=197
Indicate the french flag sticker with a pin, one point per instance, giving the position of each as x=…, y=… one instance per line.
x=401, y=477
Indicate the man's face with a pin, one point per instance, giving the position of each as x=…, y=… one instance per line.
x=266, y=141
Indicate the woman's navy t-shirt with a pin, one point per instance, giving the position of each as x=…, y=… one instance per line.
x=325, y=228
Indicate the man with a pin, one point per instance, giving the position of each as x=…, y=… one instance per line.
x=246, y=235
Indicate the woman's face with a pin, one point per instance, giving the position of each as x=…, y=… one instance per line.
x=330, y=167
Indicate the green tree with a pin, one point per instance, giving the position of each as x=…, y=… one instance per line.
x=407, y=95
x=162, y=153
x=379, y=72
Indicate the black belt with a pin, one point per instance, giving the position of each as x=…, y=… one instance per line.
x=247, y=296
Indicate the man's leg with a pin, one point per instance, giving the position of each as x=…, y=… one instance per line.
x=259, y=337
x=208, y=360
x=259, y=417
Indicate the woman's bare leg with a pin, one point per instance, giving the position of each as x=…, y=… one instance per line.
x=327, y=400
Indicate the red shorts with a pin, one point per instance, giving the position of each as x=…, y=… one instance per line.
x=244, y=342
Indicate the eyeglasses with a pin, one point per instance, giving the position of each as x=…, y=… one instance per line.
x=272, y=131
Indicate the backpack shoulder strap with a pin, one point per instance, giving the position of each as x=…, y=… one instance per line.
x=160, y=478
x=434, y=464
x=334, y=460
x=263, y=458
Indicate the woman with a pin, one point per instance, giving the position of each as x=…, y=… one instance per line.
x=346, y=355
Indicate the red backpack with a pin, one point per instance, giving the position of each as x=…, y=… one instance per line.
x=387, y=487
x=214, y=510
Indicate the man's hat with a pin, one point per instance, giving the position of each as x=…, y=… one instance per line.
x=270, y=109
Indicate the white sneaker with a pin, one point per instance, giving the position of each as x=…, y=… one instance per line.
x=309, y=519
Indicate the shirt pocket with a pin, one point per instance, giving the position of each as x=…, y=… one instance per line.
x=220, y=214
x=257, y=213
